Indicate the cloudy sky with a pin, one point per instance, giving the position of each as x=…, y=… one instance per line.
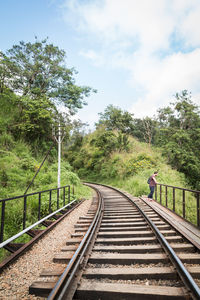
x=136, y=53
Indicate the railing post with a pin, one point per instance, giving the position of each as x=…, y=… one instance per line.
x=39, y=208
x=184, y=204
x=69, y=194
x=198, y=211
x=173, y=199
x=58, y=198
x=166, y=198
x=160, y=194
x=24, y=212
x=2, y=220
x=156, y=193
x=64, y=196
x=50, y=194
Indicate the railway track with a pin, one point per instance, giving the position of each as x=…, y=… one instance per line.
x=123, y=249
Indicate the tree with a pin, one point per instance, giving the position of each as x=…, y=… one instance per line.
x=188, y=116
x=116, y=118
x=179, y=135
x=144, y=130
x=5, y=73
x=38, y=70
x=183, y=114
x=149, y=130
x=35, y=77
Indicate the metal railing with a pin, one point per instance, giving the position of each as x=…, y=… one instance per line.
x=184, y=202
x=45, y=201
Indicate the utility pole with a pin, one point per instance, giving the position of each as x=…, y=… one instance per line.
x=59, y=136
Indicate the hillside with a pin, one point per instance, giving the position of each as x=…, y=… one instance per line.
x=18, y=165
x=105, y=157
x=96, y=159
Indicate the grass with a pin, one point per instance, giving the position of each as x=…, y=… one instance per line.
x=17, y=168
x=136, y=181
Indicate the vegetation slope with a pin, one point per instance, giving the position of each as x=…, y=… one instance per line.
x=103, y=157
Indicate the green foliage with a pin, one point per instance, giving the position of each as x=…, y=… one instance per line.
x=35, y=119
x=106, y=141
x=19, y=166
x=179, y=136
x=145, y=130
x=33, y=80
x=115, y=118
x=25, y=118
x=123, y=142
x=3, y=178
x=38, y=70
x=91, y=156
x=105, y=154
x=136, y=164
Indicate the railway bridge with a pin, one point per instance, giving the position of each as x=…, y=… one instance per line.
x=112, y=246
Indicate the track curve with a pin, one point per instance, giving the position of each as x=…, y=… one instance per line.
x=127, y=257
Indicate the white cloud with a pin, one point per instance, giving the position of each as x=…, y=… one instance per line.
x=114, y=20
x=156, y=41
x=162, y=79
x=95, y=57
x=190, y=27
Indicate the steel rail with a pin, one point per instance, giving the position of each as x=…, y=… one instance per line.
x=182, y=271
x=61, y=288
x=182, y=233
x=33, y=225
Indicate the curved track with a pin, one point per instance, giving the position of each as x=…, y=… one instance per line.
x=128, y=252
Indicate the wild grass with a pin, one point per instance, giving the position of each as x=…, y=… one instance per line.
x=17, y=168
x=130, y=171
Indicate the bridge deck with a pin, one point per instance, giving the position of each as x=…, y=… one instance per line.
x=191, y=231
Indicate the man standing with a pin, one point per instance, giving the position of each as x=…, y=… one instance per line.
x=152, y=185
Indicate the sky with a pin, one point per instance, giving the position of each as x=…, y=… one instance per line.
x=137, y=53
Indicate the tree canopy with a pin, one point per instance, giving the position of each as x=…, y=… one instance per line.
x=179, y=135
x=39, y=70
x=115, y=118
x=34, y=79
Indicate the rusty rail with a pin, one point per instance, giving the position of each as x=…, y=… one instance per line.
x=61, y=289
